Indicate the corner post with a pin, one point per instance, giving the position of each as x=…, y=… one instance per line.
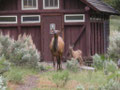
x=88, y=31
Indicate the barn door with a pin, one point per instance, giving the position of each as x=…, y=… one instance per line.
x=47, y=20
x=75, y=35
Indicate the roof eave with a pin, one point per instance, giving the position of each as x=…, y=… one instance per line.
x=94, y=8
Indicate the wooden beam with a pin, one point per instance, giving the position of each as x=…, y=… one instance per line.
x=40, y=11
x=88, y=33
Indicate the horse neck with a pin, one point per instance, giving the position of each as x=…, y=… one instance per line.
x=55, y=42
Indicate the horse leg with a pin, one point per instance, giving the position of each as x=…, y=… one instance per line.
x=58, y=63
x=54, y=62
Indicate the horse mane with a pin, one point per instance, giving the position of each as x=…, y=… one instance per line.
x=55, y=42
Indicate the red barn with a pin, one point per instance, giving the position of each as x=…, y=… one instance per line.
x=84, y=23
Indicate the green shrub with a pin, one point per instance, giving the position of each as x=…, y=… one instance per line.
x=91, y=88
x=111, y=85
x=21, y=52
x=5, y=45
x=114, y=47
x=60, y=78
x=98, y=61
x=110, y=67
x=2, y=83
x=15, y=76
x=72, y=65
x=42, y=67
x=80, y=87
x=24, y=52
x=4, y=65
x=115, y=76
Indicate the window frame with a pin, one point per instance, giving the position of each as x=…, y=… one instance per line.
x=29, y=22
x=51, y=7
x=15, y=22
x=22, y=3
x=67, y=21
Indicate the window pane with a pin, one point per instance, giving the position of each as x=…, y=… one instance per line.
x=47, y=3
x=74, y=17
x=30, y=4
x=25, y=3
x=34, y=3
x=31, y=19
x=51, y=3
x=56, y=3
x=7, y=19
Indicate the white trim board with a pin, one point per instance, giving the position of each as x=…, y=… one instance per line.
x=15, y=22
x=30, y=21
x=83, y=15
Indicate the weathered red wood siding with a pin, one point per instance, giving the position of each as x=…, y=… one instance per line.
x=12, y=31
x=73, y=4
x=35, y=32
x=8, y=5
x=100, y=34
x=71, y=34
x=93, y=39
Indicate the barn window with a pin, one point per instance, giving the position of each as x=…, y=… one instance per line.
x=8, y=19
x=74, y=18
x=30, y=19
x=29, y=4
x=51, y=4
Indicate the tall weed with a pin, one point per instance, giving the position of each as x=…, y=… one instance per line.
x=72, y=65
x=60, y=78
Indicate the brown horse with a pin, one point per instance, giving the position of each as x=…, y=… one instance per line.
x=57, y=49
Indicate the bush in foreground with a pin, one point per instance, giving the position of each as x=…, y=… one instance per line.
x=4, y=65
x=114, y=47
x=80, y=87
x=2, y=83
x=98, y=62
x=111, y=85
x=72, y=65
x=60, y=78
x=110, y=67
x=21, y=52
x=15, y=76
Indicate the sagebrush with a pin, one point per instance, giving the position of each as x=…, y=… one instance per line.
x=72, y=65
x=2, y=83
x=114, y=47
x=4, y=65
x=111, y=85
x=21, y=52
x=98, y=61
x=60, y=78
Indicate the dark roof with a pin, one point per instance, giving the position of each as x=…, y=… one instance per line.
x=100, y=6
